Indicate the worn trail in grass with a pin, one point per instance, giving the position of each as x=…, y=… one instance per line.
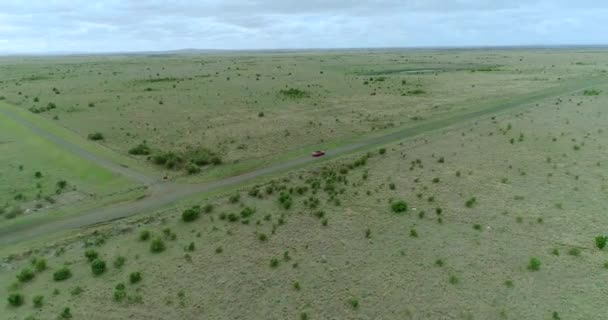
x=172, y=193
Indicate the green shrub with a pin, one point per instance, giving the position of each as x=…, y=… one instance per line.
x=192, y=169
x=413, y=233
x=591, y=92
x=534, y=264
x=274, y=262
x=62, y=274
x=471, y=202
x=141, y=149
x=294, y=93
x=15, y=299
x=91, y=254
x=191, y=214
x=119, y=295
x=95, y=136
x=157, y=245
x=38, y=301
x=247, y=212
x=234, y=198
x=98, y=267
x=135, y=277
x=119, y=262
x=600, y=242
x=65, y=314
x=25, y=275
x=76, y=291
x=40, y=265
x=399, y=206
x=574, y=252
x=354, y=303
x=144, y=235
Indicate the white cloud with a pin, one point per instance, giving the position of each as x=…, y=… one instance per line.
x=139, y=25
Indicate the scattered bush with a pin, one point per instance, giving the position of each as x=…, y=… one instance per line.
x=399, y=206
x=592, y=92
x=25, y=275
x=454, y=279
x=601, y=241
x=65, y=314
x=534, y=264
x=15, y=299
x=471, y=202
x=191, y=214
x=354, y=303
x=141, y=149
x=574, y=252
x=135, y=277
x=38, y=301
x=119, y=262
x=294, y=93
x=144, y=235
x=91, y=254
x=98, y=267
x=95, y=136
x=76, y=291
x=274, y=262
x=157, y=245
x=62, y=274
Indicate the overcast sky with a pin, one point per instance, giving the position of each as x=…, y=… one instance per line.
x=40, y=26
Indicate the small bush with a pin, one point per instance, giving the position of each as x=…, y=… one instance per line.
x=119, y=262
x=294, y=93
x=534, y=264
x=574, y=252
x=25, y=275
x=141, y=149
x=399, y=206
x=98, y=267
x=354, y=303
x=91, y=255
x=454, y=279
x=591, y=92
x=135, y=277
x=76, y=291
x=15, y=299
x=95, y=136
x=38, y=301
x=144, y=235
x=601, y=241
x=65, y=314
x=157, y=245
x=274, y=262
x=413, y=233
x=471, y=202
x=62, y=274
x=191, y=214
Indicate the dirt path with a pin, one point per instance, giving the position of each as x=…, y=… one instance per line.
x=79, y=151
x=169, y=193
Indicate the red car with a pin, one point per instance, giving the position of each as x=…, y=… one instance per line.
x=317, y=154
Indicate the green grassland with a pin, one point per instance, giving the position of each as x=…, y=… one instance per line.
x=503, y=221
x=38, y=175
x=250, y=109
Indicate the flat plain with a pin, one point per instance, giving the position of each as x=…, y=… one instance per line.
x=492, y=210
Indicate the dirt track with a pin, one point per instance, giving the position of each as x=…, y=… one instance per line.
x=164, y=194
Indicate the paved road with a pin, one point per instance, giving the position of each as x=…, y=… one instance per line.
x=168, y=193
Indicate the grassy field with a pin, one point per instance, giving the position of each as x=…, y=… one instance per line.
x=38, y=175
x=495, y=217
x=247, y=109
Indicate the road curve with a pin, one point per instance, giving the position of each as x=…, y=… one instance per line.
x=172, y=193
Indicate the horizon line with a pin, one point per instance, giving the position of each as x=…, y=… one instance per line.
x=261, y=50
